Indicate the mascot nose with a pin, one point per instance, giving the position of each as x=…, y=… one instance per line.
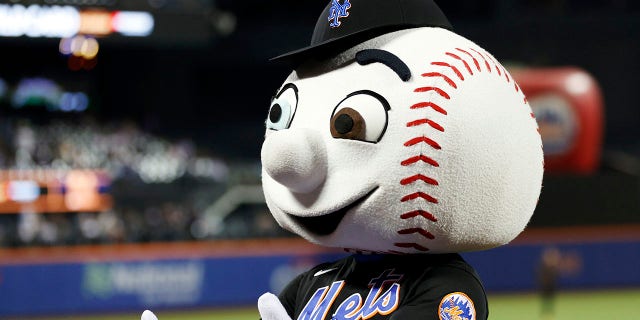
x=296, y=158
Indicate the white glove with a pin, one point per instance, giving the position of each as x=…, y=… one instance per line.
x=270, y=308
x=148, y=315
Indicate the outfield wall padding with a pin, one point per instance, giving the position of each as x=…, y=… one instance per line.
x=49, y=281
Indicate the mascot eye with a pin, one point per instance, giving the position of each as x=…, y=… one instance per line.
x=362, y=116
x=283, y=108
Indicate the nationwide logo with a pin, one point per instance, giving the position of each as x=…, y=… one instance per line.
x=153, y=283
x=352, y=308
x=338, y=11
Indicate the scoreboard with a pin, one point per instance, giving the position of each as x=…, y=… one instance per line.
x=161, y=21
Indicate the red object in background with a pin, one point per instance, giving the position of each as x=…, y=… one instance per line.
x=567, y=103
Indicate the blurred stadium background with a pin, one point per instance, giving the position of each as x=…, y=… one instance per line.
x=130, y=134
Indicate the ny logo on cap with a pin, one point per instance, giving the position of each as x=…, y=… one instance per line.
x=338, y=11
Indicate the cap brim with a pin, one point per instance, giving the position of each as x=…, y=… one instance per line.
x=334, y=46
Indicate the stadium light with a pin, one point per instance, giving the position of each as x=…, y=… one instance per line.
x=37, y=21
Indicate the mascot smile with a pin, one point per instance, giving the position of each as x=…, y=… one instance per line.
x=404, y=143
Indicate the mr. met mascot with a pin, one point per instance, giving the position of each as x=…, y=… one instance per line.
x=404, y=143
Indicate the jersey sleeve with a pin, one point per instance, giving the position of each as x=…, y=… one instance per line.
x=443, y=294
x=288, y=296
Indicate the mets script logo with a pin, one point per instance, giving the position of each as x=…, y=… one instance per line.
x=338, y=11
x=354, y=307
x=456, y=306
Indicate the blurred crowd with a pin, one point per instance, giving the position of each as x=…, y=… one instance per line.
x=160, y=188
x=166, y=222
x=120, y=148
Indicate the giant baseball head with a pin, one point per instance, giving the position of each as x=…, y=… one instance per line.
x=400, y=136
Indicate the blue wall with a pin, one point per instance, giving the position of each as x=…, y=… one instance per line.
x=65, y=288
x=588, y=266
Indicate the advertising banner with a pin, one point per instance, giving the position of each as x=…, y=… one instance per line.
x=125, y=284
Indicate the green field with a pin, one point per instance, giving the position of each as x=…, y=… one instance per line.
x=596, y=305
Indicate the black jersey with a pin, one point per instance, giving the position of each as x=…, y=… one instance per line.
x=393, y=287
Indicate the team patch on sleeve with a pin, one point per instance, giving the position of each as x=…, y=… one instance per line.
x=456, y=306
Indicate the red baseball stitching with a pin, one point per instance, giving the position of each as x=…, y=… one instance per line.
x=431, y=105
x=483, y=58
x=420, y=195
x=472, y=57
x=466, y=65
x=410, y=245
x=488, y=60
x=422, y=158
x=422, y=139
x=441, y=92
x=421, y=231
x=455, y=70
x=420, y=177
x=432, y=123
x=421, y=213
x=499, y=67
x=495, y=64
x=438, y=74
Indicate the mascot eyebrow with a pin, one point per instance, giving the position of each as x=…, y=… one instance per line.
x=387, y=58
